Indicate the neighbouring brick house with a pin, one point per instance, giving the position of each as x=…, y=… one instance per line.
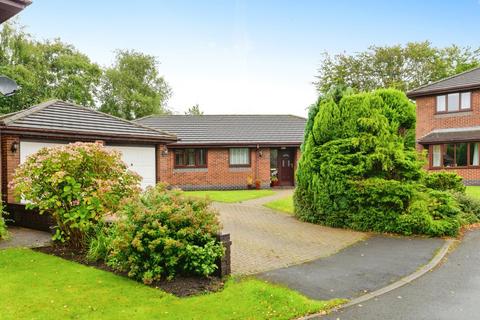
x=225, y=151
x=448, y=124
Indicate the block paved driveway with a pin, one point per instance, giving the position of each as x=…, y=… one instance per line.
x=263, y=239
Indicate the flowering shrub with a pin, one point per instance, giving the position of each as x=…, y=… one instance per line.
x=162, y=233
x=77, y=184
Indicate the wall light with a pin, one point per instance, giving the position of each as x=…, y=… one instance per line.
x=14, y=147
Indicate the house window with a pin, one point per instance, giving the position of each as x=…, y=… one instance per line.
x=474, y=159
x=454, y=102
x=465, y=100
x=437, y=156
x=239, y=157
x=455, y=155
x=441, y=104
x=192, y=158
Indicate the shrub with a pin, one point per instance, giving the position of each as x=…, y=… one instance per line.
x=359, y=169
x=470, y=207
x=163, y=233
x=3, y=225
x=445, y=181
x=77, y=184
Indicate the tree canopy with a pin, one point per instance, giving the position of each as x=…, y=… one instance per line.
x=194, y=110
x=399, y=67
x=132, y=87
x=48, y=69
x=358, y=169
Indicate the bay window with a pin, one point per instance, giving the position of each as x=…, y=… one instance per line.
x=239, y=157
x=453, y=155
x=191, y=158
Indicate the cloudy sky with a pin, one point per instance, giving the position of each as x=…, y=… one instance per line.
x=241, y=56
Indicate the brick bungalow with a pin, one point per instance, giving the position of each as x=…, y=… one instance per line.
x=448, y=124
x=55, y=123
x=225, y=151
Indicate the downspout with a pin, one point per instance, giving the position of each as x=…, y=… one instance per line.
x=256, y=162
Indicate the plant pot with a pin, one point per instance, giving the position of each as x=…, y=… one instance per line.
x=257, y=185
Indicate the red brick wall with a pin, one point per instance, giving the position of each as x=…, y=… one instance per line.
x=10, y=162
x=218, y=174
x=428, y=120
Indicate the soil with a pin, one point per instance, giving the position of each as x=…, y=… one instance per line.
x=181, y=286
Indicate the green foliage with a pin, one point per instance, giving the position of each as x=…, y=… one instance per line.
x=44, y=70
x=3, y=225
x=132, y=88
x=163, y=233
x=400, y=67
x=194, y=110
x=469, y=205
x=77, y=184
x=446, y=181
x=359, y=170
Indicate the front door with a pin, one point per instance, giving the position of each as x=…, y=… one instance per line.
x=285, y=166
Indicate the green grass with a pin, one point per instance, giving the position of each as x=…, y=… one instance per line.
x=283, y=205
x=474, y=191
x=230, y=195
x=39, y=286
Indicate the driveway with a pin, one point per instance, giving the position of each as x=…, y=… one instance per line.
x=450, y=292
x=363, y=267
x=263, y=239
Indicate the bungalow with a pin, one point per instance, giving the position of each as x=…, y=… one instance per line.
x=55, y=123
x=228, y=151
x=9, y=8
x=448, y=124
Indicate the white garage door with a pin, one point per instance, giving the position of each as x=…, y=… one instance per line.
x=141, y=160
x=29, y=147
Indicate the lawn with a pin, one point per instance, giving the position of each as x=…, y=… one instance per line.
x=283, y=205
x=474, y=191
x=39, y=286
x=230, y=195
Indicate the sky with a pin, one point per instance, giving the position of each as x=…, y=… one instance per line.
x=247, y=57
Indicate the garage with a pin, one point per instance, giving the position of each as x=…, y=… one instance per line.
x=56, y=123
x=140, y=159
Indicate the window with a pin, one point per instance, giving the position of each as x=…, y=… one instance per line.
x=239, y=157
x=454, y=102
x=441, y=104
x=455, y=155
x=465, y=99
x=192, y=158
x=436, y=156
x=474, y=159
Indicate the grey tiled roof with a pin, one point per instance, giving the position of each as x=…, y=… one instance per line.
x=65, y=117
x=451, y=135
x=230, y=129
x=465, y=80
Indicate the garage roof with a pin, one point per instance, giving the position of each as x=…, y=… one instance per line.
x=57, y=116
x=231, y=129
x=463, y=81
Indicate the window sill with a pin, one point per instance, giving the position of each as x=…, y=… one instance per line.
x=453, y=114
x=194, y=169
x=453, y=168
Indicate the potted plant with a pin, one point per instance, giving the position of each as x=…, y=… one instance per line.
x=249, y=182
x=258, y=184
x=273, y=181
